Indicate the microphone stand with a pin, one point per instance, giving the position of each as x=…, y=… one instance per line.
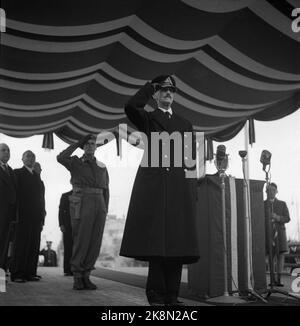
x=269, y=212
x=249, y=291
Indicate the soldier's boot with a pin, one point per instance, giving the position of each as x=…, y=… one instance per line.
x=88, y=285
x=78, y=283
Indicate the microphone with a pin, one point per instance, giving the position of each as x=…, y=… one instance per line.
x=265, y=158
x=243, y=154
x=221, y=153
x=221, y=158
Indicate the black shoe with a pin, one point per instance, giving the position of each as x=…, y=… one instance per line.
x=68, y=274
x=157, y=304
x=18, y=279
x=38, y=276
x=154, y=298
x=279, y=284
x=175, y=303
x=88, y=285
x=78, y=283
x=32, y=279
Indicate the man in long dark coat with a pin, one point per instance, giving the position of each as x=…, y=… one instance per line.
x=278, y=213
x=31, y=215
x=8, y=199
x=161, y=221
x=64, y=220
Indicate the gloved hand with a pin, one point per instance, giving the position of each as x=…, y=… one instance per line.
x=84, y=140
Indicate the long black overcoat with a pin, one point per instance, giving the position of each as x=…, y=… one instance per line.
x=161, y=219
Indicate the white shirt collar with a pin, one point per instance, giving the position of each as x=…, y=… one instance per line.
x=29, y=169
x=164, y=110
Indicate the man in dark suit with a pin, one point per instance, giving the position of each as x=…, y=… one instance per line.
x=161, y=222
x=31, y=215
x=38, y=169
x=66, y=228
x=50, y=257
x=278, y=212
x=8, y=200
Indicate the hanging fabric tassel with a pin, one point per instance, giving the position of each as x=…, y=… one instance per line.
x=209, y=149
x=251, y=131
x=48, y=142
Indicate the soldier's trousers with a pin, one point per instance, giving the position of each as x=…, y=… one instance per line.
x=88, y=213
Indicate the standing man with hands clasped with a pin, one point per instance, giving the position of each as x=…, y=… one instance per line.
x=30, y=222
x=88, y=208
x=161, y=221
x=279, y=213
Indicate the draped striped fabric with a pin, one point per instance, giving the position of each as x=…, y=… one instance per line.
x=68, y=67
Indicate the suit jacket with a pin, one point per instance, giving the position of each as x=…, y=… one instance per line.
x=31, y=204
x=280, y=208
x=64, y=217
x=8, y=188
x=161, y=219
x=8, y=201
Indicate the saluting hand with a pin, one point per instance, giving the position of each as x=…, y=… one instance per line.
x=84, y=140
x=155, y=86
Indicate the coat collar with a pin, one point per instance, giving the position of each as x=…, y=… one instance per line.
x=5, y=177
x=160, y=117
x=27, y=171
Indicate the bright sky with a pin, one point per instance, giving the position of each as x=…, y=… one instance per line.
x=281, y=138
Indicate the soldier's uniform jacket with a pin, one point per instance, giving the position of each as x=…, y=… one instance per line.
x=161, y=219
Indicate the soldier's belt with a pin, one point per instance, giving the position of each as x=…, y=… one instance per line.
x=86, y=190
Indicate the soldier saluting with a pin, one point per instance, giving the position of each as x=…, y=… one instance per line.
x=161, y=221
x=88, y=208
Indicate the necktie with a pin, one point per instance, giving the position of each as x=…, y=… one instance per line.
x=168, y=114
x=5, y=168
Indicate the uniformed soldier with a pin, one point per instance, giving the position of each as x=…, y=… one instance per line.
x=88, y=208
x=50, y=257
x=161, y=221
